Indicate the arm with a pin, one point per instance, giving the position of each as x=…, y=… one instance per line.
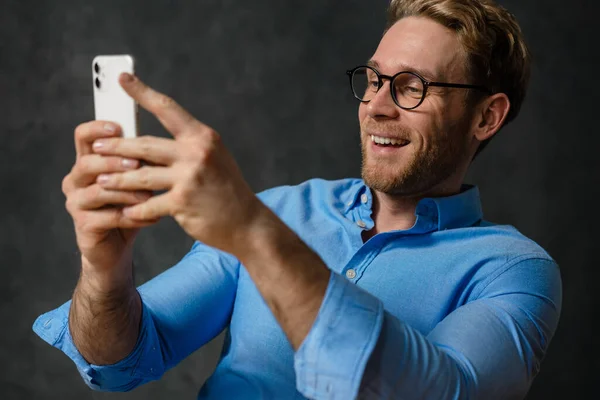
x=489, y=348
x=105, y=314
x=181, y=309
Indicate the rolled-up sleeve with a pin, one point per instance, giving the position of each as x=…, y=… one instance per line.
x=143, y=364
x=330, y=362
x=183, y=308
x=489, y=348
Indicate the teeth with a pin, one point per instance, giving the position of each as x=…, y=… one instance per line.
x=381, y=140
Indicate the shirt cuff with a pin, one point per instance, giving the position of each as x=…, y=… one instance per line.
x=143, y=364
x=331, y=361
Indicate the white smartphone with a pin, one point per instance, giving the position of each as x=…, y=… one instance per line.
x=111, y=102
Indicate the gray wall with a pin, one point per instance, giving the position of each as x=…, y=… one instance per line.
x=269, y=76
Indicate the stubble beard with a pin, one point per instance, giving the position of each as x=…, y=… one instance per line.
x=422, y=171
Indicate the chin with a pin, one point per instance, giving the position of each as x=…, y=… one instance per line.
x=412, y=176
x=383, y=177
x=386, y=174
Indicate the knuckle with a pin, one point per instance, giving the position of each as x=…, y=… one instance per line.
x=211, y=141
x=66, y=184
x=84, y=223
x=74, y=202
x=212, y=136
x=164, y=101
x=204, y=158
x=144, y=177
x=209, y=137
x=80, y=131
x=78, y=200
x=116, y=181
x=69, y=206
x=145, y=144
x=85, y=163
x=94, y=192
x=201, y=150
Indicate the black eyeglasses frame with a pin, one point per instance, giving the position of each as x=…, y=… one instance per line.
x=426, y=85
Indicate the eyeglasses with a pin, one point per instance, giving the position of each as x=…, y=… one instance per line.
x=409, y=88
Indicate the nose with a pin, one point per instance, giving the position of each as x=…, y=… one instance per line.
x=382, y=105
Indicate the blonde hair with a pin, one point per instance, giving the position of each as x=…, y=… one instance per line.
x=497, y=55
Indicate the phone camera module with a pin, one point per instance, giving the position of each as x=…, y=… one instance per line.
x=97, y=81
x=97, y=68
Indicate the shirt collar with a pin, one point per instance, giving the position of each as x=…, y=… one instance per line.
x=456, y=211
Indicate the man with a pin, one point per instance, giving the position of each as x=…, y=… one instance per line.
x=390, y=286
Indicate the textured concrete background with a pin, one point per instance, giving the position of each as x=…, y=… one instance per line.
x=270, y=77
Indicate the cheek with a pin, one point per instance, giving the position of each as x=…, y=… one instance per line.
x=430, y=129
x=362, y=112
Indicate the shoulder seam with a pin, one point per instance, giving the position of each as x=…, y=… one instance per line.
x=511, y=263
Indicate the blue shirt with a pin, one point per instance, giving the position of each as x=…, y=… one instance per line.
x=452, y=308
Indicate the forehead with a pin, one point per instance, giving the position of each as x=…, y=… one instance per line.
x=423, y=45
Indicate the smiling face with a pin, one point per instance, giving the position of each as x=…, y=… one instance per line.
x=434, y=144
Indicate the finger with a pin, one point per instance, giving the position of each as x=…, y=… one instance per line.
x=111, y=218
x=154, y=208
x=171, y=115
x=88, y=167
x=145, y=178
x=88, y=132
x=159, y=151
x=94, y=197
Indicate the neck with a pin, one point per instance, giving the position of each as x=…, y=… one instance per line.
x=392, y=212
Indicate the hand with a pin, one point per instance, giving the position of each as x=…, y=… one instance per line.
x=104, y=234
x=205, y=190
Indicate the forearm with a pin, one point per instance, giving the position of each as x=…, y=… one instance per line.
x=291, y=278
x=105, y=314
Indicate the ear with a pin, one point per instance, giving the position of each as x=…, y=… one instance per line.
x=490, y=116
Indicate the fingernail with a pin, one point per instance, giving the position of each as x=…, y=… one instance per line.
x=98, y=144
x=127, y=77
x=103, y=178
x=110, y=128
x=129, y=163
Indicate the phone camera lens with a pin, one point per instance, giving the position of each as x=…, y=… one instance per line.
x=98, y=83
x=96, y=68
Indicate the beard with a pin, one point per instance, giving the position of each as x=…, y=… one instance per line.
x=419, y=170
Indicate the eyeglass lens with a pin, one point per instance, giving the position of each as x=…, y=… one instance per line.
x=408, y=88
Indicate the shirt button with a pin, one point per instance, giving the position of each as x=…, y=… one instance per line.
x=350, y=203
x=361, y=223
x=364, y=198
x=351, y=274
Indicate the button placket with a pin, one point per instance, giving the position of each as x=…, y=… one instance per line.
x=356, y=266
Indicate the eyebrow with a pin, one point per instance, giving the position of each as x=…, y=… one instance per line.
x=425, y=73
